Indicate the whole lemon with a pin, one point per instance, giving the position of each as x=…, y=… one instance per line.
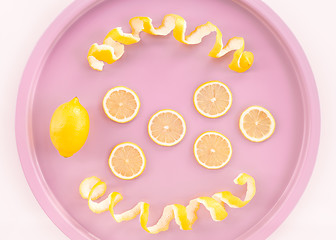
x=69, y=127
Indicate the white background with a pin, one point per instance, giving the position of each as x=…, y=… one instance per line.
x=23, y=22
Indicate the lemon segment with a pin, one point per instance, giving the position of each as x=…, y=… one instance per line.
x=257, y=124
x=183, y=216
x=127, y=161
x=121, y=104
x=167, y=127
x=212, y=150
x=69, y=127
x=212, y=99
x=98, y=54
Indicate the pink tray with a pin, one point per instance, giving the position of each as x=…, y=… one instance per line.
x=165, y=74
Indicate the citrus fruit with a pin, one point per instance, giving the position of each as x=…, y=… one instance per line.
x=256, y=124
x=212, y=150
x=69, y=127
x=212, y=99
x=121, y=104
x=127, y=161
x=166, y=127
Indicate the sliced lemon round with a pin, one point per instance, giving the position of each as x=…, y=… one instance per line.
x=121, y=104
x=127, y=160
x=256, y=124
x=212, y=150
x=213, y=99
x=167, y=127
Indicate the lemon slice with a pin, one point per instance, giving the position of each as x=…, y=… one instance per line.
x=166, y=127
x=127, y=161
x=212, y=99
x=212, y=150
x=256, y=124
x=121, y=104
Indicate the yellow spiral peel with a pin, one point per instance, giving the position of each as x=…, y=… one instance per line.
x=113, y=46
x=93, y=188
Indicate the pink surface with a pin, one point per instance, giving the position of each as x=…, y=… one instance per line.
x=165, y=73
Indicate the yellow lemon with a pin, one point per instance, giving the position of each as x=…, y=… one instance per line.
x=69, y=127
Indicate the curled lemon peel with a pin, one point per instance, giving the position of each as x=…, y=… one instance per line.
x=93, y=188
x=113, y=46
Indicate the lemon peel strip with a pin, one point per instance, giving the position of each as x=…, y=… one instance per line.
x=93, y=188
x=113, y=46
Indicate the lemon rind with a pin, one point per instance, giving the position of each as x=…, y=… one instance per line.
x=112, y=48
x=184, y=216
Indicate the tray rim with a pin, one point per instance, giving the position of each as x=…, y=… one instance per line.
x=297, y=184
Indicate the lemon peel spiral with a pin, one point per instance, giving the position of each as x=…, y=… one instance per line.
x=93, y=188
x=113, y=46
